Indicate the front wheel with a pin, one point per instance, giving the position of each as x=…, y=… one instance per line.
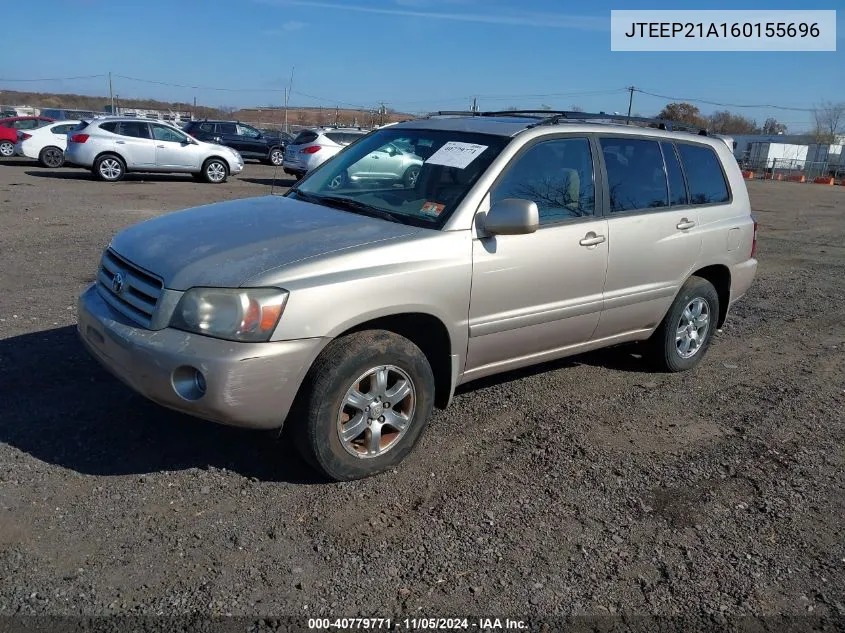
x=363, y=405
x=52, y=157
x=410, y=177
x=687, y=329
x=7, y=149
x=215, y=171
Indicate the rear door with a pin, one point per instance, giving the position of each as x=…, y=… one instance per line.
x=653, y=233
x=58, y=134
x=228, y=135
x=173, y=150
x=135, y=144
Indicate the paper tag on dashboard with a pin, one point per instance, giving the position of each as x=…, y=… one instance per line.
x=432, y=208
x=456, y=154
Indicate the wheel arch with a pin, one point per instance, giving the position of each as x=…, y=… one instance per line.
x=720, y=276
x=427, y=332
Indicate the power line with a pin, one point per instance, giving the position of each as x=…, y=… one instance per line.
x=55, y=78
x=726, y=105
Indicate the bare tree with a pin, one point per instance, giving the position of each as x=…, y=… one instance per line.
x=683, y=112
x=830, y=121
x=576, y=108
x=725, y=122
x=773, y=126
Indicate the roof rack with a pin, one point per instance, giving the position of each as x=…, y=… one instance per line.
x=553, y=117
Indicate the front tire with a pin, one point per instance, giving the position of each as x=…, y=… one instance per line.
x=215, y=171
x=109, y=168
x=7, y=149
x=363, y=405
x=51, y=157
x=687, y=329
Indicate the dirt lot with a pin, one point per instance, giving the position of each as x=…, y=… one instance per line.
x=589, y=486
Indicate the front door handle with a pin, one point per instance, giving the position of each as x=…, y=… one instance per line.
x=685, y=224
x=591, y=239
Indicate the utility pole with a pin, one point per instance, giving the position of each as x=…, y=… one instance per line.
x=194, y=113
x=287, y=98
x=111, y=95
x=631, y=89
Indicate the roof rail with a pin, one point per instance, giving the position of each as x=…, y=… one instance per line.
x=553, y=117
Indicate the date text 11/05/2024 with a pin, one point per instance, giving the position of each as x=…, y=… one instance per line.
x=416, y=624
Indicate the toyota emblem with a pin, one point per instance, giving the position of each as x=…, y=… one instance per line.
x=117, y=283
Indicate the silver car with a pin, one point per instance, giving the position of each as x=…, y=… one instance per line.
x=311, y=148
x=347, y=312
x=113, y=146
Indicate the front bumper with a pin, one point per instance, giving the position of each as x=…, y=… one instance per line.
x=247, y=384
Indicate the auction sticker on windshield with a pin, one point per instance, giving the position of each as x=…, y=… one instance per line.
x=456, y=154
x=432, y=208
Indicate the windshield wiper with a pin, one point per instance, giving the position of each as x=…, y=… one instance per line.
x=358, y=207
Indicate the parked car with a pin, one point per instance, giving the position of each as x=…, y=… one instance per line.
x=352, y=311
x=113, y=146
x=311, y=148
x=247, y=140
x=9, y=131
x=46, y=144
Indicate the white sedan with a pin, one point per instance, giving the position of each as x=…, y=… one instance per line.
x=47, y=144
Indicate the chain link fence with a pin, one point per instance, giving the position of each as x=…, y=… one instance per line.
x=791, y=169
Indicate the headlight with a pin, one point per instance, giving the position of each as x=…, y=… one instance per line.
x=236, y=314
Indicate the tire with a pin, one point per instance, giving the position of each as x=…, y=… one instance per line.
x=323, y=410
x=680, y=342
x=338, y=182
x=7, y=149
x=409, y=178
x=52, y=157
x=276, y=157
x=109, y=168
x=215, y=171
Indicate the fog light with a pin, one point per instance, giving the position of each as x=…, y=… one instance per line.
x=189, y=382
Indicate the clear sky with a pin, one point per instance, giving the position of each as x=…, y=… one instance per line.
x=415, y=55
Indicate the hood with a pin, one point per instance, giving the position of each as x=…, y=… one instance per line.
x=225, y=244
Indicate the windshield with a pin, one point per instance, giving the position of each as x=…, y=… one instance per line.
x=413, y=176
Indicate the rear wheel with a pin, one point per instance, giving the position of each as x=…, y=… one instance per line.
x=110, y=168
x=277, y=156
x=7, y=149
x=410, y=176
x=363, y=405
x=687, y=329
x=52, y=157
x=215, y=171
x=339, y=181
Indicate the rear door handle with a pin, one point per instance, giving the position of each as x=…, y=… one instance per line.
x=120, y=142
x=685, y=224
x=160, y=146
x=591, y=239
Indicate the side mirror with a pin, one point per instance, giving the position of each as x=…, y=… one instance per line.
x=512, y=216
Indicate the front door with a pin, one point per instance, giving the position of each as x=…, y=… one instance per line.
x=173, y=149
x=535, y=296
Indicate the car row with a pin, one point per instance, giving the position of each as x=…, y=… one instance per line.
x=9, y=127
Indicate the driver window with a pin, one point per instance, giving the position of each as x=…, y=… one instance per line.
x=164, y=133
x=245, y=130
x=557, y=175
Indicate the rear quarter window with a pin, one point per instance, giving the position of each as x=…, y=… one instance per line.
x=705, y=178
x=108, y=127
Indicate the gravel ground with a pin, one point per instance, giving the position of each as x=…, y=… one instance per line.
x=587, y=486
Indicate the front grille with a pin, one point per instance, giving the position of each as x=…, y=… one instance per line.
x=135, y=294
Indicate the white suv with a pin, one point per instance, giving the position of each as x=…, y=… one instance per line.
x=311, y=148
x=113, y=146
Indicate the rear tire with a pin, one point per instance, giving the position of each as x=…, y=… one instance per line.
x=277, y=157
x=410, y=176
x=52, y=157
x=344, y=423
x=215, y=171
x=109, y=168
x=687, y=329
x=7, y=149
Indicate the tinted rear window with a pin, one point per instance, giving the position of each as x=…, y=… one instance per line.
x=343, y=138
x=705, y=178
x=635, y=175
x=136, y=129
x=111, y=126
x=306, y=136
x=677, y=187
